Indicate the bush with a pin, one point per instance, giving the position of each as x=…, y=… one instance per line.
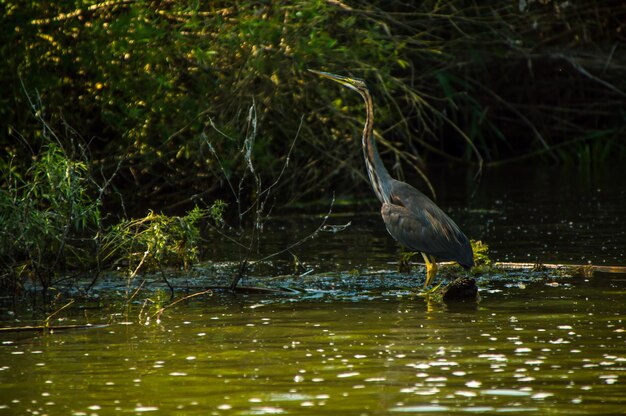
x=51, y=225
x=451, y=80
x=49, y=218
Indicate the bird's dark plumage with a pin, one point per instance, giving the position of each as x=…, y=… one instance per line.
x=417, y=223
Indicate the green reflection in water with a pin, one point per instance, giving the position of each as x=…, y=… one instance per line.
x=543, y=348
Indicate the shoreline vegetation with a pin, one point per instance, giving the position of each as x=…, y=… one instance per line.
x=132, y=129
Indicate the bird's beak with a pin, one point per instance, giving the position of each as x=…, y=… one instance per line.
x=337, y=78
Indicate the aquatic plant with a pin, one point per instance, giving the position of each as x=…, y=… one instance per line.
x=481, y=253
x=52, y=223
x=157, y=241
x=404, y=263
x=48, y=218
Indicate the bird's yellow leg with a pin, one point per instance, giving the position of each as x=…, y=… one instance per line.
x=431, y=269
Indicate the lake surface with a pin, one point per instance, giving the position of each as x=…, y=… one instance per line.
x=357, y=339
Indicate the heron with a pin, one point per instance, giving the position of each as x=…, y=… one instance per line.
x=411, y=218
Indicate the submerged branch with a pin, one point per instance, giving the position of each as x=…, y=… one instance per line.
x=158, y=313
x=50, y=328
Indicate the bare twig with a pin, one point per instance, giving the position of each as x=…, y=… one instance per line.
x=258, y=206
x=134, y=273
x=308, y=237
x=284, y=168
x=130, y=299
x=167, y=282
x=525, y=119
x=586, y=73
x=217, y=159
x=50, y=328
x=49, y=317
x=158, y=313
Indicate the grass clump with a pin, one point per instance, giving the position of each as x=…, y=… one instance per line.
x=483, y=264
x=49, y=218
x=52, y=226
x=481, y=253
x=157, y=241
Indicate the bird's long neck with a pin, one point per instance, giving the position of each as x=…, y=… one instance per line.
x=379, y=177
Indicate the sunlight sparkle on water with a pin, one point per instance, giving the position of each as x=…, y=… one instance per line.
x=142, y=409
x=339, y=355
x=350, y=374
x=504, y=392
x=266, y=410
x=412, y=409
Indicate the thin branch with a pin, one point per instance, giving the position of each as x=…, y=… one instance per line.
x=314, y=234
x=49, y=317
x=522, y=117
x=217, y=159
x=158, y=313
x=586, y=73
x=284, y=168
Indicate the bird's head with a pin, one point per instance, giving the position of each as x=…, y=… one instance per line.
x=355, y=84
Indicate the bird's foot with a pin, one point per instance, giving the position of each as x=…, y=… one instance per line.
x=429, y=291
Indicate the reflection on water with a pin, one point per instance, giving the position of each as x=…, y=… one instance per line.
x=554, y=214
x=524, y=214
x=557, y=348
x=368, y=346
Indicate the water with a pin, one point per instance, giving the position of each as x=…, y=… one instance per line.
x=543, y=348
x=358, y=340
x=525, y=214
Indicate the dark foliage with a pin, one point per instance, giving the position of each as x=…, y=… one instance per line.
x=141, y=81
